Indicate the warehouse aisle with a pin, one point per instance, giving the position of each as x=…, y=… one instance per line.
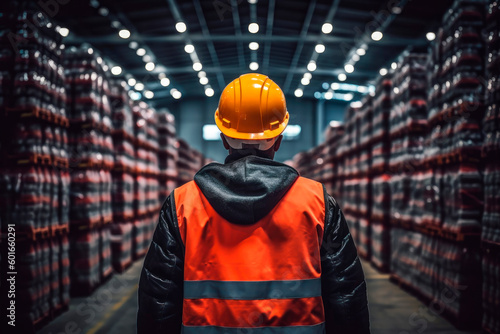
x=112, y=309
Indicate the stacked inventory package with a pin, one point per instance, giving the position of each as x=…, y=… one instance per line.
x=167, y=154
x=188, y=163
x=91, y=150
x=333, y=183
x=490, y=235
x=34, y=183
x=122, y=191
x=146, y=185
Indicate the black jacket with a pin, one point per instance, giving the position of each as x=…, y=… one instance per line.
x=243, y=191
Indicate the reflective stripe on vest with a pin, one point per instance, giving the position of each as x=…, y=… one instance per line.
x=258, y=278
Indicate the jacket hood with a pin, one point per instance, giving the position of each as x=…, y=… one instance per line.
x=245, y=190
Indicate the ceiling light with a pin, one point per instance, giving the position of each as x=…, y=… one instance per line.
x=254, y=66
x=124, y=33
x=253, y=2
x=377, y=35
x=327, y=28
x=348, y=97
x=165, y=82
x=134, y=95
x=325, y=85
x=253, y=46
x=349, y=68
x=335, y=86
x=311, y=66
x=133, y=45
x=356, y=104
x=383, y=71
x=305, y=81
x=189, y=48
x=161, y=76
x=320, y=48
x=253, y=28
x=397, y=10
x=197, y=66
x=394, y=65
x=131, y=82
x=116, y=70
x=103, y=11
x=308, y=75
x=175, y=93
x=64, y=32
x=116, y=24
x=141, y=52
x=329, y=95
x=299, y=92
x=362, y=89
x=202, y=74
x=361, y=51
x=209, y=92
x=342, y=77
x=355, y=57
x=180, y=27
x=396, y=90
x=139, y=86
x=146, y=58
x=149, y=94
x=430, y=36
x=203, y=80
x=150, y=66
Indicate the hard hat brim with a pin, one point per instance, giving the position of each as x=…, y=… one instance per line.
x=267, y=134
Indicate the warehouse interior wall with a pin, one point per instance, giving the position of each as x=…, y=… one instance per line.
x=191, y=114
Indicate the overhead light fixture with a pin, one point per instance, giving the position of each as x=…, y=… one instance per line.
x=149, y=94
x=124, y=33
x=197, y=66
x=175, y=93
x=64, y=32
x=377, y=36
x=311, y=66
x=141, y=52
x=162, y=75
x=383, y=71
x=103, y=11
x=308, y=75
x=361, y=51
x=394, y=65
x=202, y=74
x=253, y=28
x=329, y=95
x=396, y=90
x=325, y=85
x=209, y=91
x=180, y=27
x=139, y=86
x=116, y=24
x=355, y=57
x=356, y=104
x=396, y=10
x=146, y=58
x=165, y=82
x=327, y=28
x=252, y=2
x=320, y=48
x=299, y=92
x=203, y=80
x=430, y=36
x=254, y=66
x=362, y=89
x=342, y=77
x=131, y=82
x=189, y=48
x=305, y=81
x=133, y=45
x=116, y=70
x=150, y=66
x=134, y=95
x=335, y=86
x=349, y=68
x=348, y=97
x=253, y=46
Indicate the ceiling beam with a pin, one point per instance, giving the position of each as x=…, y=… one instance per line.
x=237, y=30
x=177, y=38
x=210, y=43
x=300, y=45
x=269, y=34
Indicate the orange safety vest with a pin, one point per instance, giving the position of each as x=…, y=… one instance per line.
x=259, y=278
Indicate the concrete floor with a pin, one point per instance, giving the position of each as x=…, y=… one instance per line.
x=112, y=309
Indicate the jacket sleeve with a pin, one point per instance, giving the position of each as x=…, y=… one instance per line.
x=161, y=284
x=342, y=280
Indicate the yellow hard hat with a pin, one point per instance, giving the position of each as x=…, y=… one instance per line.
x=252, y=107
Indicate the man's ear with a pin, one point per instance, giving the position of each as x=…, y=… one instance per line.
x=278, y=143
x=224, y=141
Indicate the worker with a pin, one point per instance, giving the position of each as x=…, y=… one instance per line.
x=250, y=246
